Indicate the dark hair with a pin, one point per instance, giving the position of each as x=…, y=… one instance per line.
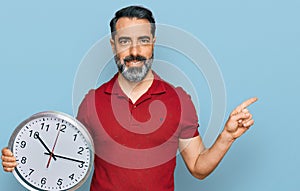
x=133, y=12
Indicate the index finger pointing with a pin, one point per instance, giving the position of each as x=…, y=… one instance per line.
x=247, y=103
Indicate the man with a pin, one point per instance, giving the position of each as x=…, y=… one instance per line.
x=138, y=121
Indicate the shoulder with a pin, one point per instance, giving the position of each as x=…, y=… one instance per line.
x=178, y=90
x=105, y=88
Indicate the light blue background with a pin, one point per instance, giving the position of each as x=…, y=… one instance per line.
x=256, y=44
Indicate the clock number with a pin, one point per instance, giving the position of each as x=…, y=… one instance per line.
x=43, y=125
x=35, y=134
x=63, y=127
x=43, y=180
x=23, y=144
x=23, y=160
x=31, y=171
x=59, y=182
x=81, y=165
x=71, y=176
x=80, y=150
x=75, y=136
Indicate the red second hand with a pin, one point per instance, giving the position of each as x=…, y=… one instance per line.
x=48, y=163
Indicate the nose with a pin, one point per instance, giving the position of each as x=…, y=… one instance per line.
x=134, y=49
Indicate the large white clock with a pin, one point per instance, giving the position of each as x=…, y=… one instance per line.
x=54, y=151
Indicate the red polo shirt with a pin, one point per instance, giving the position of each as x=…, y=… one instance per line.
x=136, y=143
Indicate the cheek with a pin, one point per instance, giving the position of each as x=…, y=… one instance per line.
x=121, y=51
x=147, y=52
x=122, y=54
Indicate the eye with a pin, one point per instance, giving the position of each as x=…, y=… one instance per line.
x=124, y=42
x=144, y=41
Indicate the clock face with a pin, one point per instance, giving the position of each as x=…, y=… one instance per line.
x=53, y=152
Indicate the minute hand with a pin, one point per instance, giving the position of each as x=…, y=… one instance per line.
x=64, y=157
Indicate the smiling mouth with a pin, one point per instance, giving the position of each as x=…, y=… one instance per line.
x=134, y=63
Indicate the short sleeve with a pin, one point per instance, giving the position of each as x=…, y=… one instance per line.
x=85, y=110
x=189, y=119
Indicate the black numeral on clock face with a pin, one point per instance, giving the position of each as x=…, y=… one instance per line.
x=35, y=134
x=23, y=144
x=71, y=176
x=80, y=150
x=43, y=126
x=43, y=181
x=30, y=171
x=81, y=164
x=59, y=182
x=75, y=136
x=23, y=160
x=61, y=127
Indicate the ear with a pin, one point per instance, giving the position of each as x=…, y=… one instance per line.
x=154, y=40
x=113, y=46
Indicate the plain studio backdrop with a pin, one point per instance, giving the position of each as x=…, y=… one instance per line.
x=255, y=44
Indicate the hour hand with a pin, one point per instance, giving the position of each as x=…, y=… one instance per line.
x=45, y=146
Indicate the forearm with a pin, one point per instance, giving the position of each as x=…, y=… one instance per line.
x=209, y=159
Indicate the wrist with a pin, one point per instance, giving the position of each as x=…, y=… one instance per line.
x=227, y=137
x=223, y=142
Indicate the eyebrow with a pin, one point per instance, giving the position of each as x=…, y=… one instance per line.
x=144, y=37
x=129, y=38
x=124, y=38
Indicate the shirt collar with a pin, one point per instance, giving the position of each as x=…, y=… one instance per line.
x=157, y=86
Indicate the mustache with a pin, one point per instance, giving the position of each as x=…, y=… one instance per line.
x=132, y=58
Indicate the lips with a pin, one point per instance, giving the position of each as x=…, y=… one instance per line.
x=134, y=63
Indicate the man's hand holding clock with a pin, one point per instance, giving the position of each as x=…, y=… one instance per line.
x=8, y=160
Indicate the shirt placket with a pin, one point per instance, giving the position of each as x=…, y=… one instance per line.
x=134, y=109
x=133, y=123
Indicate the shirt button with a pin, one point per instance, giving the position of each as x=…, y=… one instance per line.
x=134, y=106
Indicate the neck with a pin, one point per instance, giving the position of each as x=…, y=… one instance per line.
x=134, y=90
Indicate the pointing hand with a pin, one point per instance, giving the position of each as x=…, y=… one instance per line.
x=240, y=119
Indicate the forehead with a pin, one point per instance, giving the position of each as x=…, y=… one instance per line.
x=133, y=27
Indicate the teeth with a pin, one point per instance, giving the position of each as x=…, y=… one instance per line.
x=135, y=63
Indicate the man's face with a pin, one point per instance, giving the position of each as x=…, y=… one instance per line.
x=133, y=48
